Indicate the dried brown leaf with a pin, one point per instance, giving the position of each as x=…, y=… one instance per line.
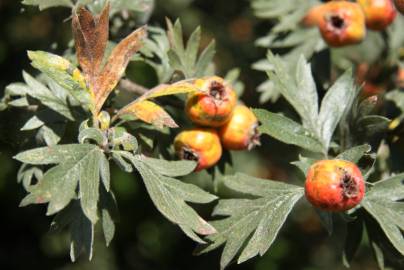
x=116, y=64
x=91, y=37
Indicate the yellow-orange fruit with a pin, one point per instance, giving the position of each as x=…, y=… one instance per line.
x=342, y=23
x=378, y=13
x=199, y=144
x=240, y=132
x=213, y=105
x=334, y=185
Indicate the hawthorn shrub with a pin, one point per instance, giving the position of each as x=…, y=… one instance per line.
x=340, y=103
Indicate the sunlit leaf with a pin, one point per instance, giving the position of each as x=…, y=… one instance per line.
x=169, y=196
x=253, y=224
x=65, y=74
x=149, y=112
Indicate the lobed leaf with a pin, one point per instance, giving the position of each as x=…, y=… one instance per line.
x=337, y=100
x=55, y=154
x=253, y=224
x=286, y=130
x=39, y=91
x=354, y=154
x=384, y=203
x=169, y=196
x=170, y=168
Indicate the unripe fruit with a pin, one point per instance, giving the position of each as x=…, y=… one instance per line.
x=240, y=132
x=334, y=185
x=378, y=13
x=399, y=5
x=342, y=23
x=213, y=105
x=199, y=144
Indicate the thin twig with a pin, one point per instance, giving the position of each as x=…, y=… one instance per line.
x=129, y=86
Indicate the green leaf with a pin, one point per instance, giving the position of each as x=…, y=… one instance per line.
x=80, y=228
x=354, y=154
x=326, y=219
x=39, y=91
x=337, y=100
x=65, y=74
x=300, y=91
x=372, y=124
x=109, y=213
x=205, y=59
x=253, y=224
x=384, y=203
x=118, y=158
x=26, y=175
x=170, y=168
x=58, y=186
x=89, y=184
x=55, y=154
x=82, y=236
x=185, y=59
x=169, y=196
x=92, y=134
x=43, y=4
x=105, y=172
x=304, y=164
x=51, y=134
x=286, y=130
x=121, y=138
x=33, y=123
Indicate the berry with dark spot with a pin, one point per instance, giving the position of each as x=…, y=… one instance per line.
x=213, y=104
x=334, y=185
x=199, y=144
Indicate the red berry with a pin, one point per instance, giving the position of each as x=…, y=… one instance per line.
x=334, y=185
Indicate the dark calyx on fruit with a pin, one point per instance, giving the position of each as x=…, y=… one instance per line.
x=350, y=188
x=337, y=21
x=217, y=90
x=255, y=138
x=189, y=154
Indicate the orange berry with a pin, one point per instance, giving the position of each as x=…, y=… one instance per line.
x=342, y=23
x=213, y=105
x=240, y=132
x=199, y=144
x=334, y=185
x=378, y=13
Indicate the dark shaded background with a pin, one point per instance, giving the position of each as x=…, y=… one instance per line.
x=144, y=239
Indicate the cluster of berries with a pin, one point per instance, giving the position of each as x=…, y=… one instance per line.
x=344, y=23
x=220, y=122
